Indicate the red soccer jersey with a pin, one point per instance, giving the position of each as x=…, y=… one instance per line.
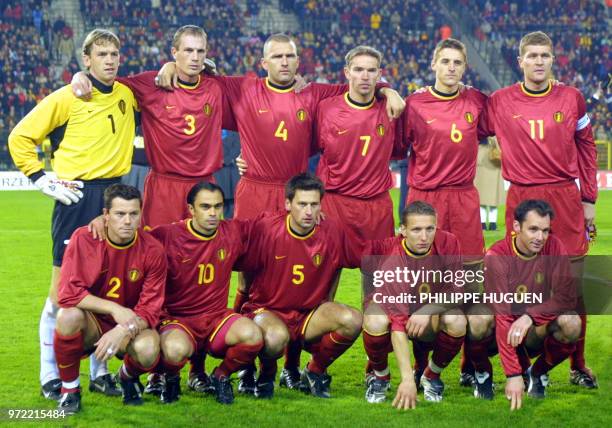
x=199, y=267
x=545, y=138
x=275, y=125
x=356, y=145
x=292, y=272
x=547, y=274
x=132, y=276
x=443, y=133
x=444, y=256
x=182, y=128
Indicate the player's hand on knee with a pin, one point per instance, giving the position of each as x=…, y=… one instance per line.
x=417, y=323
x=110, y=342
x=166, y=77
x=81, y=86
x=518, y=330
x=514, y=391
x=97, y=228
x=241, y=164
x=64, y=191
x=406, y=396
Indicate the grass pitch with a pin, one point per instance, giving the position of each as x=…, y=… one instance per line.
x=25, y=266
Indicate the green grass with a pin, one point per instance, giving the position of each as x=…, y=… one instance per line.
x=25, y=249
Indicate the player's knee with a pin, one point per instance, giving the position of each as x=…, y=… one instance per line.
x=249, y=333
x=146, y=348
x=454, y=323
x=376, y=324
x=480, y=326
x=275, y=339
x=175, y=351
x=69, y=321
x=569, y=327
x=350, y=320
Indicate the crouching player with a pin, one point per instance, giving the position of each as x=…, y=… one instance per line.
x=532, y=261
x=431, y=326
x=293, y=265
x=201, y=252
x=110, y=294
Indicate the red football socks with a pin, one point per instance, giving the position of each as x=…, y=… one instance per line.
x=554, y=353
x=477, y=352
x=331, y=346
x=377, y=349
x=68, y=352
x=236, y=357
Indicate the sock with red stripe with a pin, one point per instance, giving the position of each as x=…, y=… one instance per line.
x=445, y=348
x=577, y=360
x=331, y=346
x=68, y=352
x=554, y=353
x=377, y=350
x=237, y=357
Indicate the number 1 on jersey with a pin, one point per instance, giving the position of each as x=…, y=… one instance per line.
x=281, y=131
x=366, y=143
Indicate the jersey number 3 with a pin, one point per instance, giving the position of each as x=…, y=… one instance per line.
x=190, y=124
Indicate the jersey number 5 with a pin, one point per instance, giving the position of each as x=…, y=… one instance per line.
x=298, y=274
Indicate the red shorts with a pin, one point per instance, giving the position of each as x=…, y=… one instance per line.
x=296, y=321
x=458, y=210
x=104, y=323
x=165, y=198
x=207, y=332
x=364, y=219
x=568, y=224
x=254, y=197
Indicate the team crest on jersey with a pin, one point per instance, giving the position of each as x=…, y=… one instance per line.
x=558, y=116
x=207, y=109
x=317, y=259
x=166, y=322
x=221, y=254
x=521, y=289
x=301, y=115
x=380, y=129
x=122, y=106
x=134, y=275
x=424, y=288
x=469, y=117
x=539, y=277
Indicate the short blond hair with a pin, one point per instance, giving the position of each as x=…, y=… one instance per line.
x=192, y=30
x=363, y=50
x=449, y=43
x=99, y=36
x=537, y=38
x=279, y=38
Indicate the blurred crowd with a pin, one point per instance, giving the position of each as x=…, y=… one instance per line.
x=37, y=52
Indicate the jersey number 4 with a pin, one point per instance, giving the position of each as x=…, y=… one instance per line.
x=281, y=131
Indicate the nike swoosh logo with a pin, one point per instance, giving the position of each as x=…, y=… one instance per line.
x=47, y=344
x=279, y=257
x=430, y=121
x=342, y=132
x=516, y=116
x=260, y=111
x=169, y=107
x=90, y=111
x=185, y=260
x=65, y=366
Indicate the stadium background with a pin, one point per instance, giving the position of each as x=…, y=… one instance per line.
x=39, y=52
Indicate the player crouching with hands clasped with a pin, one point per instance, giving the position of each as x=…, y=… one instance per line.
x=110, y=294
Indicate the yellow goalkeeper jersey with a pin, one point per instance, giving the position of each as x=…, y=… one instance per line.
x=89, y=139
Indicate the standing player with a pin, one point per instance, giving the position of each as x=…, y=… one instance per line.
x=532, y=260
x=431, y=326
x=110, y=293
x=356, y=139
x=547, y=142
x=182, y=128
x=442, y=127
x=294, y=265
x=201, y=252
x=92, y=148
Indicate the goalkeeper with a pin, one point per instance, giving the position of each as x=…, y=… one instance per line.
x=91, y=149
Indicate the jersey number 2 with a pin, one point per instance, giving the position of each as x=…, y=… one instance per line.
x=115, y=283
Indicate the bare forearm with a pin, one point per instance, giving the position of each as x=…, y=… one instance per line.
x=401, y=348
